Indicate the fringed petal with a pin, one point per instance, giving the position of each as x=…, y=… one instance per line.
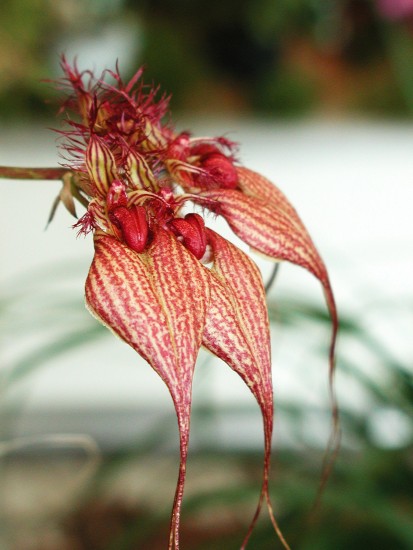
x=155, y=301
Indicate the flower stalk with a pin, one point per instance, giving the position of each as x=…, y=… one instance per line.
x=17, y=173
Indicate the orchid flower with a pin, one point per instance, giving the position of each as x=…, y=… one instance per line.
x=160, y=279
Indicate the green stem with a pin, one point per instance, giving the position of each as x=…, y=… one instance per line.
x=17, y=173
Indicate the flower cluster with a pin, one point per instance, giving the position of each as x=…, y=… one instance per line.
x=160, y=278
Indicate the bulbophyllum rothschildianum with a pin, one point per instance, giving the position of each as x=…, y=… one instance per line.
x=162, y=280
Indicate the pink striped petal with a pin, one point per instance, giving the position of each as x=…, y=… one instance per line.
x=155, y=301
x=237, y=331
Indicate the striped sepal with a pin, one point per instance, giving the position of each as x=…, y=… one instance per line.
x=270, y=225
x=156, y=301
x=237, y=331
x=299, y=247
x=182, y=285
x=242, y=282
x=100, y=165
x=266, y=229
x=272, y=231
x=139, y=173
x=255, y=185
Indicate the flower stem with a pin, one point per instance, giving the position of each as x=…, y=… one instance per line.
x=17, y=173
x=272, y=278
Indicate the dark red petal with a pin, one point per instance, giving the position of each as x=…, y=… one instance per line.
x=179, y=148
x=221, y=170
x=133, y=225
x=203, y=149
x=192, y=230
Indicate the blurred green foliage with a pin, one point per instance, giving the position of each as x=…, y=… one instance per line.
x=26, y=33
x=284, y=58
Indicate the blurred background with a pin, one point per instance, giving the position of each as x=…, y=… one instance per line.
x=319, y=93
